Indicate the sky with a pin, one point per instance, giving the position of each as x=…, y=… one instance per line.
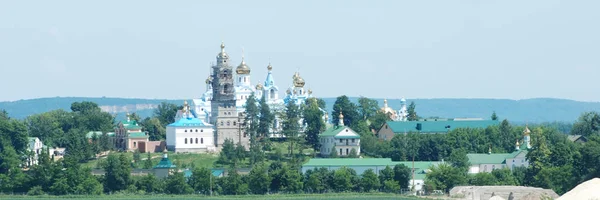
x=379, y=49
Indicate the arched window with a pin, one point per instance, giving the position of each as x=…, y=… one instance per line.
x=196, y=130
x=185, y=130
x=234, y=123
x=201, y=140
x=228, y=123
x=272, y=94
x=134, y=144
x=185, y=140
x=221, y=123
x=196, y=140
x=201, y=130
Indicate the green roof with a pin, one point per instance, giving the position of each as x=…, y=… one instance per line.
x=164, y=163
x=138, y=135
x=323, y=162
x=335, y=130
x=494, y=158
x=440, y=126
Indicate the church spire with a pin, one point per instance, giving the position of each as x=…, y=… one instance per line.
x=341, y=118
x=517, y=145
x=490, y=149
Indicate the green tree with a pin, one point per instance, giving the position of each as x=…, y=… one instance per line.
x=494, y=116
x=150, y=184
x=348, y=109
x=458, y=158
x=411, y=111
x=89, y=117
x=156, y=131
x=342, y=180
x=234, y=185
x=292, y=180
x=46, y=127
x=148, y=161
x=291, y=124
x=538, y=157
x=258, y=179
x=333, y=153
x=444, y=177
x=313, y=120
x=387, y=174
x=587, y=124
x=391, y=186
x=369, y=181
x=402, y=175
x=137, y=157
x=353, y=153
x=165, y=112
x=118, y=173
x=104, y=142
x=367, y=108
x=227, y=156
x=504, y=177
x=482, y=179
x=176, y=184
x=266, y=118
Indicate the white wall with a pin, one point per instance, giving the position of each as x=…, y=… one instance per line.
x=176, y=137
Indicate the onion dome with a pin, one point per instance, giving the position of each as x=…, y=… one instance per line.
x=298, y=81
x=309, y=91
x=526, y=131
x=259, y=86
x=341, y=116
x=269, y=67
x=242, y=68
x=222, y=54
x=387, y=110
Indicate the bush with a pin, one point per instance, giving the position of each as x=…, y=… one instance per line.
x=35, y=191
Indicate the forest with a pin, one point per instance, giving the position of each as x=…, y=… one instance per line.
x=555, y=162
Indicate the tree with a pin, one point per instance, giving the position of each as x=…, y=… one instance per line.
x=251, y=127
x=458, y=158
x=156, y=131
x=402, y=175
x=313, y=120
x=227, y=156
x=386, y=174
x=444, y=177
x=118, y=173
x=165, y=112
x=412, y=113
x=266, y=118
x=137, y=157
x=258, y=179
x=587, y=124
x=104, y=142
x=348, y=109
x=369, y=181
x=342, y=180
x=291, y=124
x=333, y=153
x=200, y=180
x=353, y=153
x=391, y=186
x=367, y=108
x=234, y=185
x=46, y=127
x=150, y=184
x=176, y=184
x=89, y=117
x=482, y=179
x=291, y=180
x=538, y=157
x=134, y=117
x=494, y=116
x=148, y=161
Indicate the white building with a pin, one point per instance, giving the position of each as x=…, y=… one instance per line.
x=340, y=137
x=190, y=134
x=35, y=147
x=488, y=162
x=400, y=115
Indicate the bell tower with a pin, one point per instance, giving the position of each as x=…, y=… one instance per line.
x=224, y=115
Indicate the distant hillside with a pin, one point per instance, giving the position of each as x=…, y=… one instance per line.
x=519, y=111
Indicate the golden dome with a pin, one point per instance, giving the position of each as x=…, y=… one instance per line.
x=269, y=67
x=298, y=81
x=526, y=131
x=242, y=68
x=517, y=143
x=309, y=91
x=259, y=86
x=222, y=54
x=341, y=116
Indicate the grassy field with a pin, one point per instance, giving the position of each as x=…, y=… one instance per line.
x=345, y=196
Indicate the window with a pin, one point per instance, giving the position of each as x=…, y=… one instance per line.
x=186, y=140
x=196, y=130
x=346, y=130
x=493, y=167
x=201, y=130
x=485, y=168
x=340, y=151
x=221, y=123
x=185, y=130
x=352, y=140
x=201, y=140
x=346, y=151
x=234, y=123
x=228, y=123
x=134, y=144
x=341, y=141
x=196, y=140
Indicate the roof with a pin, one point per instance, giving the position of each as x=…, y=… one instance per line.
x=337, y=132
x=164, y=163
x=31, y=139
x=419, y=166
x=137, y=135
x=494, y=158
x=188, y=122
x=439, y=126
x=324, y=162
x=574, y=138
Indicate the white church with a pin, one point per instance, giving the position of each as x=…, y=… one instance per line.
x=189, y=133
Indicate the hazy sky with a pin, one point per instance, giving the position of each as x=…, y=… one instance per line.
x=382, y=49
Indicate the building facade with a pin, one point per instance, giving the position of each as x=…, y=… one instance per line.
x=128, y=134
x=340, y=139
x=34, y=147
x=491, y=161
x=190, y=134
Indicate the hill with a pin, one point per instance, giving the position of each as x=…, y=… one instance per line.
x=519, y=111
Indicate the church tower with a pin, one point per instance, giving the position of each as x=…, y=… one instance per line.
x=224, y=115
x=526, y=137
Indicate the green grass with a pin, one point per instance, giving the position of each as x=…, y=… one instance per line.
x=345, y=196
